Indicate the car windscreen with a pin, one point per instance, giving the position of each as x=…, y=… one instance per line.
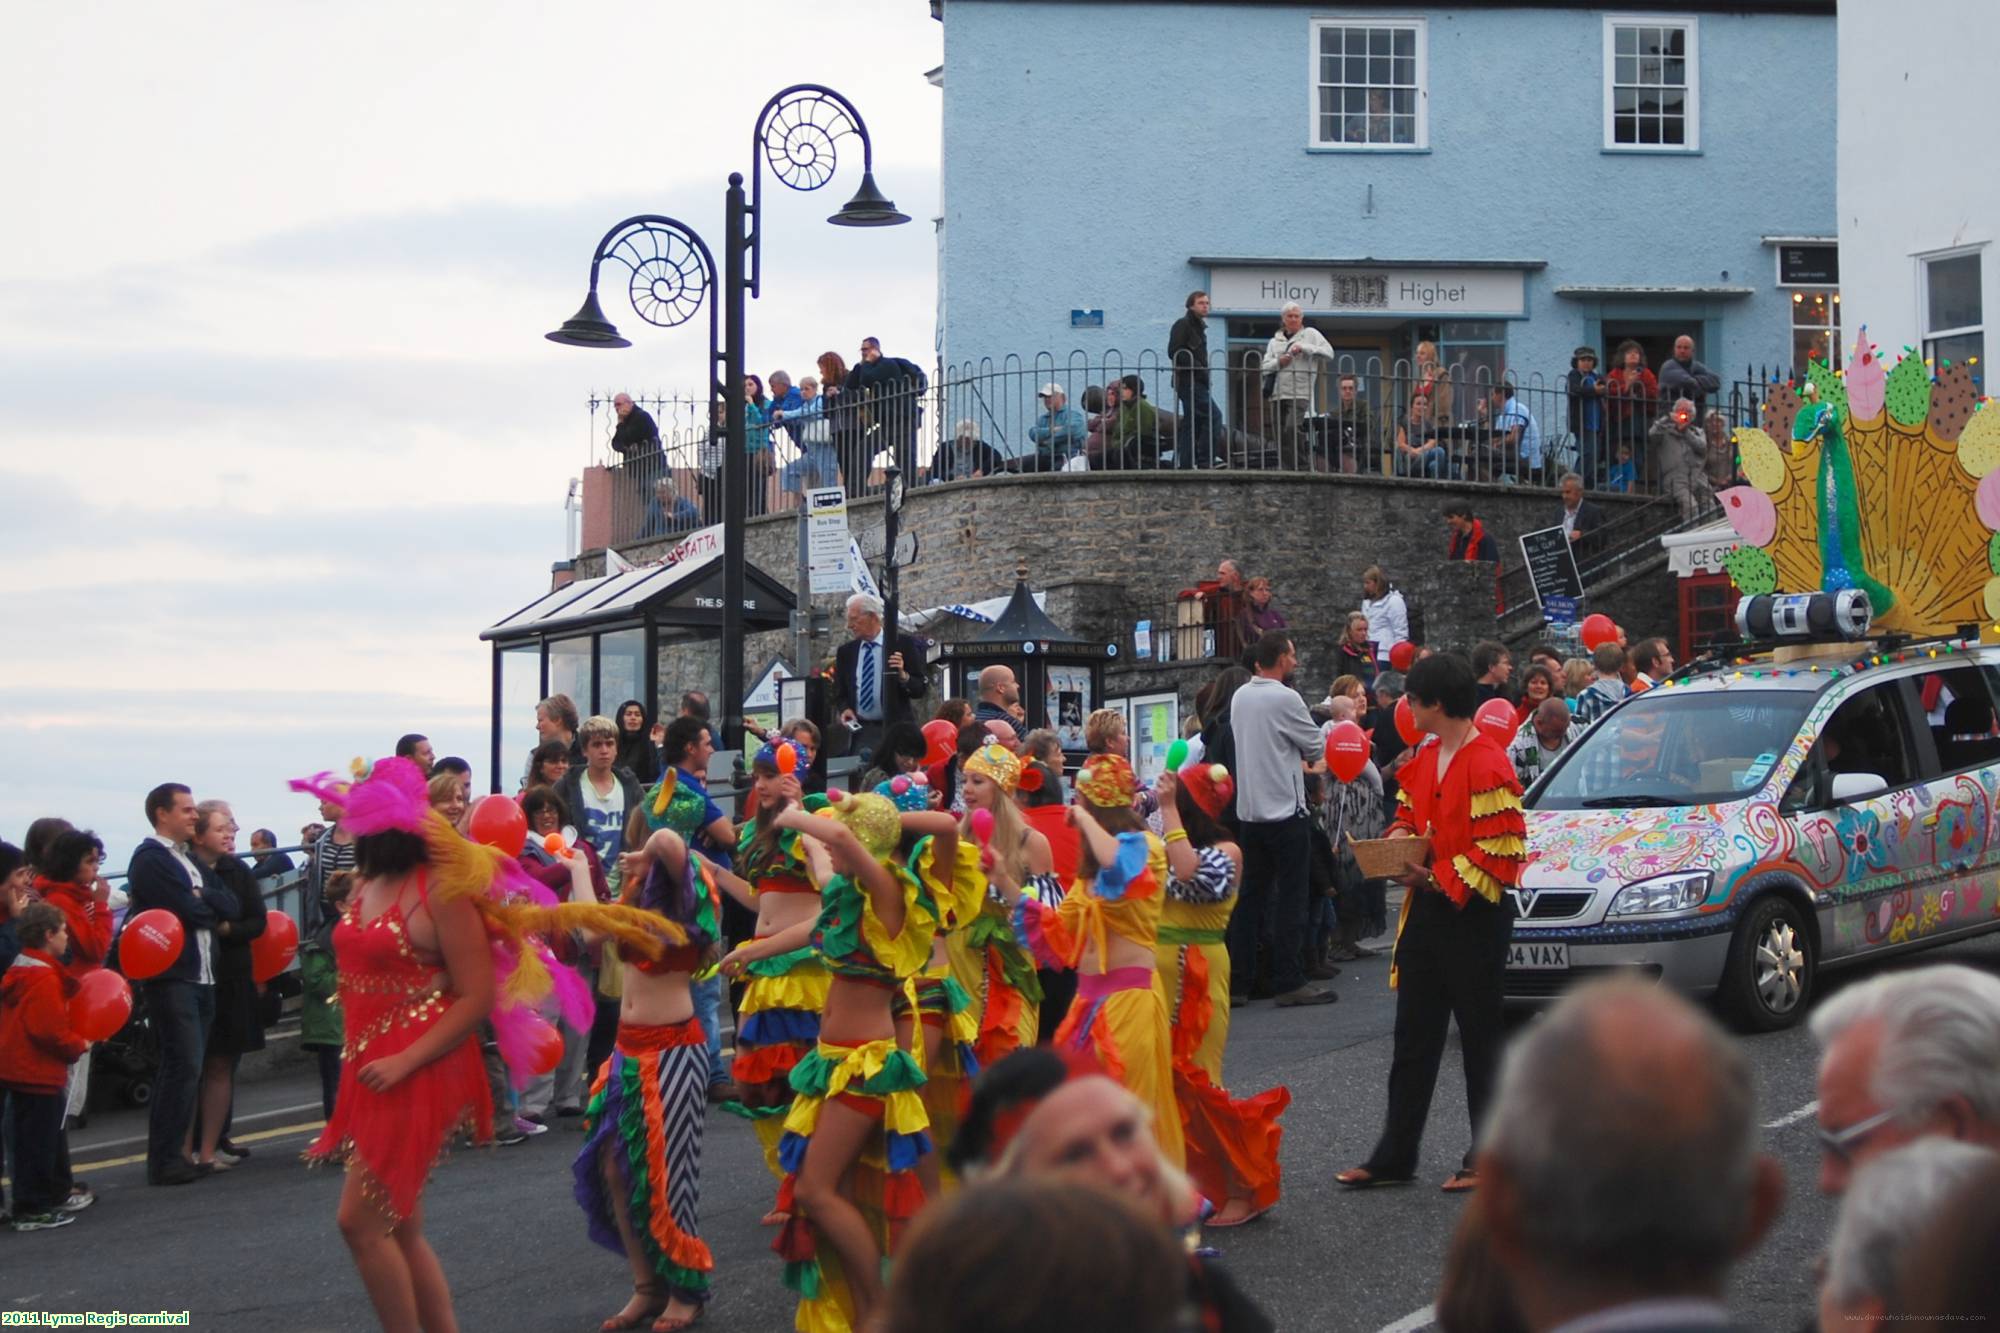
x=1676, y=747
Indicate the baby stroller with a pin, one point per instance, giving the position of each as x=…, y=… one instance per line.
x=123, y=1067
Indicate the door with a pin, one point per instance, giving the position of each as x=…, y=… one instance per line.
x=1654, y=336
x=1871, y=855
x=1369, y=358
x=1708, y=613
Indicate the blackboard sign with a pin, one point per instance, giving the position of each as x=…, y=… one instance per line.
x=1551, y=561
x=1808, y=265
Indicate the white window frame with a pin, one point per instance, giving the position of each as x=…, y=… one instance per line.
x=1927, y=335
x=1692, y=26
x=1421, y=132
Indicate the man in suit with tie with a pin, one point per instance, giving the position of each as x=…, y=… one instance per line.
x=873, y=682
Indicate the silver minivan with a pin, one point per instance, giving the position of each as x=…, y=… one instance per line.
x=1736, y=831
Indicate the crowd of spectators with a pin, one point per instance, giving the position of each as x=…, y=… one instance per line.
x=835, y=427
x=1629, y=427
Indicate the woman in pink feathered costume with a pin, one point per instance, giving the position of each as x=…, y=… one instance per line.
x=438, y=933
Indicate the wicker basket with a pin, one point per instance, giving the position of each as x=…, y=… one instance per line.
x=1382, y=858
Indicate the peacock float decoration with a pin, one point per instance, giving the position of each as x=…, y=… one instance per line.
x=1888, y=480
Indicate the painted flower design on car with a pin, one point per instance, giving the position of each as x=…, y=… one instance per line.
x=1860, y=834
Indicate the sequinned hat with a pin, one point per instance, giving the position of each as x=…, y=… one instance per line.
x=870, y=818
x=908, y=792
x=393, y=795
x=767, y=755
x=997, y=762
x=1209, y=786
x=1107, y=780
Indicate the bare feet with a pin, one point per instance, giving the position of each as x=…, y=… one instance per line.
x=775, y=1218
x=646, y=1302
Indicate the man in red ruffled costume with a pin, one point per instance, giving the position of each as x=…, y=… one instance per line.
x=1458, y=790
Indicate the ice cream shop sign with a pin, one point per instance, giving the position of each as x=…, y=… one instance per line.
x=1492, y=293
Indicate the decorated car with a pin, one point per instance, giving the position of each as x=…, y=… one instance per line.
x=1825, y=794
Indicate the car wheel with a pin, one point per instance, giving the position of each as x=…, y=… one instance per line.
x=1771, y=967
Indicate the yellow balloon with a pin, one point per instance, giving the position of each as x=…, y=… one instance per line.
x=1979, y=442
x=1763, y=461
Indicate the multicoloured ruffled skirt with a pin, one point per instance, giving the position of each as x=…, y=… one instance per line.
x=992, y=966
x=883, y=1082
x=645, y=1119
x=1232, y=1143
x=945, y=1006
x=776, y=1027
x=1120, y=1017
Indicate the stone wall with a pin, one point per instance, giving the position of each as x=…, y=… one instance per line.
x=1113, y=548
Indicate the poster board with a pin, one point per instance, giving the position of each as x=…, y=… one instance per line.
x=1068, y=702
x=1153, y=722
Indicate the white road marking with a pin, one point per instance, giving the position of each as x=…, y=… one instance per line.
x=1792, y=1117
x=1411, y=1322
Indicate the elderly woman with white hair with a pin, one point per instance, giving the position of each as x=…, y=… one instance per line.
x=1294, y=360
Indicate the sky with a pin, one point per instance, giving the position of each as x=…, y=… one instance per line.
x=279, y=431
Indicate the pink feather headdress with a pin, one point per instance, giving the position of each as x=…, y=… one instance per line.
x=394, y=795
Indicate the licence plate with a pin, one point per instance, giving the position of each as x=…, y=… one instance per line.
x=1538, y=957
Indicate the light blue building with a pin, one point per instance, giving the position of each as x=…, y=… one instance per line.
x=1507, y=180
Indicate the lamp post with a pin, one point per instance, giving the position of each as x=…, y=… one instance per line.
x=797, y=132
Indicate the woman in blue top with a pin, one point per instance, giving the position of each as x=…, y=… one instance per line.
x=757, y=440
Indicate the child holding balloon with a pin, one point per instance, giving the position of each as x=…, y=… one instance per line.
x=37, y=1047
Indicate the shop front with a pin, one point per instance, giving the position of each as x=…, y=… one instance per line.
x=1374, y=315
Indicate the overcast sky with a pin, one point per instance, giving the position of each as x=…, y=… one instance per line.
x=279, y=432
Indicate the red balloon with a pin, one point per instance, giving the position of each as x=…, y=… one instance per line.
x=102, y=1003
x=1406, y=722
x=1496, y=718
x=1598, y=629
x=273, y=951
x=150, y=943
x=942, y=740
x=497, y=822
x=545, y=1045
x=1402, y=656
x=1347, y=750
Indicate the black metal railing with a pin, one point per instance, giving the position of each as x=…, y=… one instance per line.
x=1109, y=412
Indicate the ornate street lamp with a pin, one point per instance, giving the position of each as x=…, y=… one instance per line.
x=798, y=133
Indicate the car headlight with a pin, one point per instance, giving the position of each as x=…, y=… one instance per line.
x=1662, y=895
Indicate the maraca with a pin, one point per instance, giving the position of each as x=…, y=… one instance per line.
x=982, y=829
x=788, y=758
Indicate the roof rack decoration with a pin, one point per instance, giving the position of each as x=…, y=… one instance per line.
x=1889, y=482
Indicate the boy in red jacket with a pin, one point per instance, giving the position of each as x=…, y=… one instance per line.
x=37, y=1048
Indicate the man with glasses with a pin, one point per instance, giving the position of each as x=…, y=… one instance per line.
x=1904, y=1057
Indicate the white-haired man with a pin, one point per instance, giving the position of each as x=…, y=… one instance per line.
x=1294, y=359
x=1885, y=1213
x=873, y=682
x=1906, y=1056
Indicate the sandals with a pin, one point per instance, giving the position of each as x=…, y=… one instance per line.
x=667, y=1323
x=1361, y=1178
x=652, y=1302
x=1463, y=1181
x=1217, y=1224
